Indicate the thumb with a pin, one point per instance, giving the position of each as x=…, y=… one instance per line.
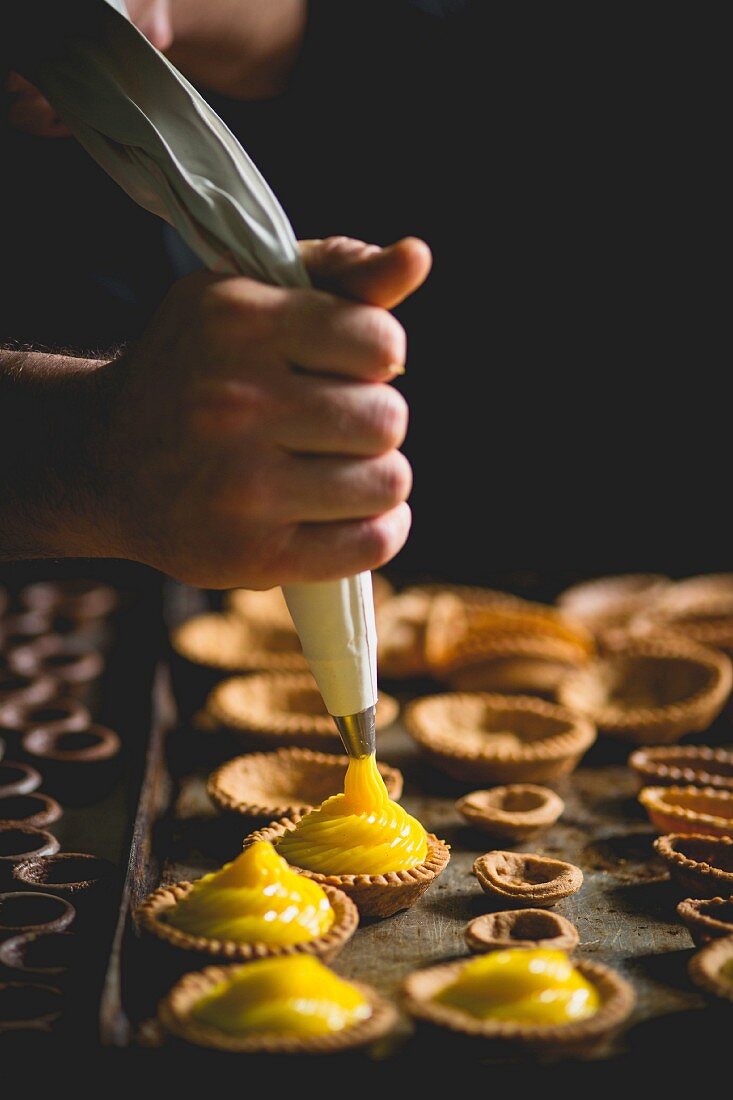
x=377, y=276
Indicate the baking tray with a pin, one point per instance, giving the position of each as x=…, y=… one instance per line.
x=625, y=911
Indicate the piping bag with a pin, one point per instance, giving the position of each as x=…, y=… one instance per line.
x=149, y=128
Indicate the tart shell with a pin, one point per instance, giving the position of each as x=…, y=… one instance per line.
x=701, y=865
x=707, y=918
x=693, y=765
x=701, y=810
x=534, y=741
x=373, y=895
x=616, y=995
x=704, y=968
x=517, y=811
x=526, y=879
x=285, y=782
x=174, y=1015
x=151, y=918
x=532, y=928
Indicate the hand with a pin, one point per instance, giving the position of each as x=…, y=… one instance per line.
x=252, y=434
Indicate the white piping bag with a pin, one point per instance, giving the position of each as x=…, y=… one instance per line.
x=158, y=138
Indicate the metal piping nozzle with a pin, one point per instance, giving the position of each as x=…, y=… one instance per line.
x=358, y=731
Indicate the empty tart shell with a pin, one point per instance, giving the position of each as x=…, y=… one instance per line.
x=373, y=895
x=402, y=623
x=174, y=1015
x=702, y=865
x=284, y=783
x=526, y=879
x=651, y=691
x=616, y=1002
x=690, y=765
x=509, y=663
x=712, y=968
x=702, y=810
x=230, y=643
x=268, y=607
x=612, y=601
x=707, y=918
x=151, y=917
x=517, y=810
x=273, y=708
x=498, y=738
x=700, y=609
x=536, y=928
x=455, y=626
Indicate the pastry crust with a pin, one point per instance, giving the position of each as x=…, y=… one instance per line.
x=651, y=691
x=284, y=783
x=174, y=1015
x=490, y=738
x=526, y=879
x=705, y=967
x=152, y=912
x=701, y=810
x=279, y=708
x=690, y=765
x=517, y=811
x=534, y=928
x=702, y=865
x=616, y=996
x=229, y=643
x=612, y=601
x=373, y=895
x=707, y=918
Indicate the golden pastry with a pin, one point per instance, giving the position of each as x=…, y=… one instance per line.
x=701, y=810
x=517, y=811
x=523, y=878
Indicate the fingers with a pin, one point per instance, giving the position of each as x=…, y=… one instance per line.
x=325, y=551
x=380, y=276
x=312, y=489
x=320, y=332
x=324, y=416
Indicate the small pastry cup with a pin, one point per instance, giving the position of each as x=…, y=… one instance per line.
x=373, y=895
x=151, y=917
x=74, y=669
x=701, y=865
x=74, y=876
x=700, y=810
x=707, y=918
x=22, y=911
x=684, y=765
x=525, y=879
x=19, y=842
x=16, y=778
x=531, y=928
x=268, y=607
x=17, y=688
x=706, y=620
x=271, y=709
x=17, y=718
x=35, y=809
x=498, y=738
x=71, y=598
x=517, y=811
x=78, y=765
x=651, y=691
x=19, y=630
x=228, y=643
x=25, y=1004
x=174, y=1015
x=705, y=968
x=616, y=1002
x=457, y=626
x=612, y=601
x=512, y=664
x=285, y=782
x=41, y=954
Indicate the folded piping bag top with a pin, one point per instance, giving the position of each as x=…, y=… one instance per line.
x=153, y=133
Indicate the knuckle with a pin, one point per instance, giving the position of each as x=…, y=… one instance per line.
x=386, y=337
x=397, y=479
x=240, y=305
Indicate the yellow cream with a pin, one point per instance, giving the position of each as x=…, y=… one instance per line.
x=289, y=995
x=255, y=899
x=359, y=832
x=522, y=985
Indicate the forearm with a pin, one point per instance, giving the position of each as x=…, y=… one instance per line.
x=52, y=416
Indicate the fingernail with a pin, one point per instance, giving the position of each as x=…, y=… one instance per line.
x=396, y=368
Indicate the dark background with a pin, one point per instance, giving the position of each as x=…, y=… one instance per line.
x=569, y=355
